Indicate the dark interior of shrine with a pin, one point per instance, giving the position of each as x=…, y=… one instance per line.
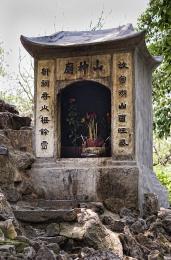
x=85, y=120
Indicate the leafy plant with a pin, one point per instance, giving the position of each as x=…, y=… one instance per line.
x=73, y=121
x=162, y=161
x=161, y=151
x=165, y=179
x=20, y=86
x=156, y=21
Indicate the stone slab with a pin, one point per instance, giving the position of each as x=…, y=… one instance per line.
x=38, y=215
x=47, y=204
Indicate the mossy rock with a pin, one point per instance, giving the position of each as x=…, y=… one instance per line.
x=10, y=232
x=8, y=229
x=19, y=246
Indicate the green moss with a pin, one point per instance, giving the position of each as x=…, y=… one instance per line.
x=19, y=246
x=11, y=233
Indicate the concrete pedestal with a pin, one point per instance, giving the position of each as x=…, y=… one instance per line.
x=115, y=183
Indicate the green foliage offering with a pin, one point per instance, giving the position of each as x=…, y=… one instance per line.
x=156, y=20
x=73, y=121
x=165, y=179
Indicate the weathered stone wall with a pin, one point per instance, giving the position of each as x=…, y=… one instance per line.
x=148, y=181
x=87, y=180
x=117, y=187
x=143, y=111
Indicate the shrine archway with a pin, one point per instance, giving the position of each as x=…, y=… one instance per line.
x=85, y=120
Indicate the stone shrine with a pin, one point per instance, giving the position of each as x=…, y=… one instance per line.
x=93, y=117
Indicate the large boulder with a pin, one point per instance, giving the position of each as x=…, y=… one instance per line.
x=7, y=171
x=20, y=139
x=14, y=180
x=22, y=160
x=92, y=232
x=13, y=121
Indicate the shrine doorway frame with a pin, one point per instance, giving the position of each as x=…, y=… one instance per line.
x=60, y=86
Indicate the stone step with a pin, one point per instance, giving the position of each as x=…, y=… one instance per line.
x=48, y=204
x=57, y=204
x=81, y=163
x=40, y=215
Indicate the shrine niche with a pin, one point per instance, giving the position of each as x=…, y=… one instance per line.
x=85, y=120
x=93, y=116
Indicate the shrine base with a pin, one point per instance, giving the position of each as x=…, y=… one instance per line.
x=117, y=184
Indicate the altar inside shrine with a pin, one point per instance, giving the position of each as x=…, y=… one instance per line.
x=85, y=120
x=93, y=116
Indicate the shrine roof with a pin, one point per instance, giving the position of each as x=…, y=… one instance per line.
x=68, y=38
x=58, y=43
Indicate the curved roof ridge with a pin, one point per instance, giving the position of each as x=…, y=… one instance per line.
x=64, y=38
x=59, y=43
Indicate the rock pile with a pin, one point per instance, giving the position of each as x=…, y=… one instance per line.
x=10, y=119
x=5, y=107
x=92, y=235
x=148, y=238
